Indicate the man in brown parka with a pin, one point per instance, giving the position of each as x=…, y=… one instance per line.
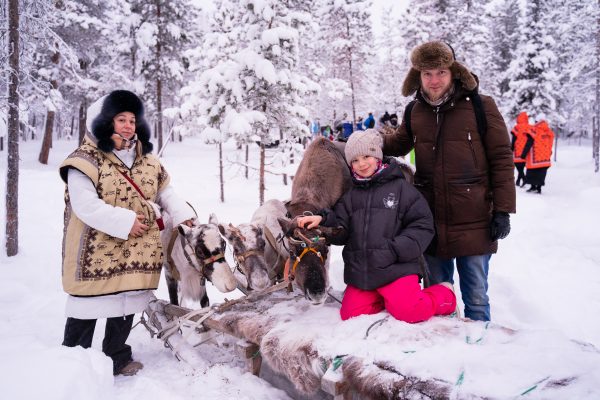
x=468, y=180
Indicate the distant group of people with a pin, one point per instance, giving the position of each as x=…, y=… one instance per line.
x=343, y=128
x=532, y=151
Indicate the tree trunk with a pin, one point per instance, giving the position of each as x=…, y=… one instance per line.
x=159, y=120
x=158, y=77
x=597, y=105
x=351, y=75
x=12, y=172
x=57, y=127
x=34, y=127
x=247, y=157
x=82, y=120
x=221, y=177
x=72, y=125
x=47, y=141
x=261, y=179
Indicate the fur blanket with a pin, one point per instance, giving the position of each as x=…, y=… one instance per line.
x=383, y=358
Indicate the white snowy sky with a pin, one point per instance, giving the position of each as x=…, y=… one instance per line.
x=544, y=283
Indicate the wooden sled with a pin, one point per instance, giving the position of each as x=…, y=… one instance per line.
x=309, y=353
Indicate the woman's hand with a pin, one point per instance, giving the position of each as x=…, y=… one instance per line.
x=309, y=221
x=139, y=228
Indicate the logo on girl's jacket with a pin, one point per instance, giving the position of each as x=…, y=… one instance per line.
x=390, y=201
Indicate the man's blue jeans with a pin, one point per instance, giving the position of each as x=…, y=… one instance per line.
x=473, y=279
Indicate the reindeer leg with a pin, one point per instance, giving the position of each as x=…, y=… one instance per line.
x=204, y=302
x=172, y=286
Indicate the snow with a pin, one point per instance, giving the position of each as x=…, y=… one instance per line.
x=543, y=283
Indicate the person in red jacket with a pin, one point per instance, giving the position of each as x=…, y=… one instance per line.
x=537, y=153
x=519, y=138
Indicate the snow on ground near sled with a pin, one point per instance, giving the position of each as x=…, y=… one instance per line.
x=544, y=282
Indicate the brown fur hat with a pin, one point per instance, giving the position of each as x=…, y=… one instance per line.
x=432, y=55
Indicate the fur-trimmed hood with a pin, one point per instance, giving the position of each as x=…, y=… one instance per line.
x=101, y=115
x=432, y=55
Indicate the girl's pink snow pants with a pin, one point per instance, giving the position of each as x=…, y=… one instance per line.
x=403, y=299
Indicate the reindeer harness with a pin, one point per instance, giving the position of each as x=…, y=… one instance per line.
x=198, y=263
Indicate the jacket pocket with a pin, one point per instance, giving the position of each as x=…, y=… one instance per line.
x=468, y=202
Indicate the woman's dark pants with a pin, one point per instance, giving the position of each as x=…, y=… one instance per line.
x=79, y=332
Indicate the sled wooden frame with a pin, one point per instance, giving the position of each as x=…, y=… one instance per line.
x=333, y=386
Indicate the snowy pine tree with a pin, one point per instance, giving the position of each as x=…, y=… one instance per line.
x=503, y=17
x=164, y=32
x=393, y=66
x=535, y=85
x=351, y=52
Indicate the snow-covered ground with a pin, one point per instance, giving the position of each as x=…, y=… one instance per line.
x=544, y=282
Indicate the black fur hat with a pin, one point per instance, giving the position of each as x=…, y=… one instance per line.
x=117, y=102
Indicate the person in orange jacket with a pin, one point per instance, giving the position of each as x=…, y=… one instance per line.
x=537, y=154
x=519, y=138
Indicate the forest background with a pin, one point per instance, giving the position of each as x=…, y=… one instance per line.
x=261, y=70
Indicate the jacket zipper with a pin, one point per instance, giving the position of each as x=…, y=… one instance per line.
x=472, y=149
x=369, y=198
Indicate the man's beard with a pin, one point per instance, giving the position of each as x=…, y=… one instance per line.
x=439, y=99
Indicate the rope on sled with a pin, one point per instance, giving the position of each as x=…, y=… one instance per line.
x=469, y=340
x=534, y=386
x=185, y=321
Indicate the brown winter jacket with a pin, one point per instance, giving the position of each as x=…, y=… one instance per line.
x=463, y=177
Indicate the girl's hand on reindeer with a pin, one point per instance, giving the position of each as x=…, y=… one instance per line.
x=309, y=221
x=189, y=223
x=139, y=228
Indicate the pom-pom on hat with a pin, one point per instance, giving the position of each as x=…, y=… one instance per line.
x=101, y=118
x=434, y=55
x=364, y=143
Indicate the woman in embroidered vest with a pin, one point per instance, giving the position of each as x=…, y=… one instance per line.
x=112, y=254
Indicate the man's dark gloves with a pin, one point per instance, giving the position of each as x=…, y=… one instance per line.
x=500, y=226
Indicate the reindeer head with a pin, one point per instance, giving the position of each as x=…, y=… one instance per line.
x=208, y=248
x=308, y=252
x=248, y=250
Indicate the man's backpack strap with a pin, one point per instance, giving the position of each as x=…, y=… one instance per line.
x=479, y=115
x=406, y=119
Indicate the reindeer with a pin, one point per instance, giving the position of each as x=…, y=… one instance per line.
x=263, y=246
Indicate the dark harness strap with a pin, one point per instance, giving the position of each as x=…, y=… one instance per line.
x=170, y=261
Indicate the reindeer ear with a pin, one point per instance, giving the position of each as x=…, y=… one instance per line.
x=184, y=229
x=287, y=225
x=222, y=229
x=212, y=219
